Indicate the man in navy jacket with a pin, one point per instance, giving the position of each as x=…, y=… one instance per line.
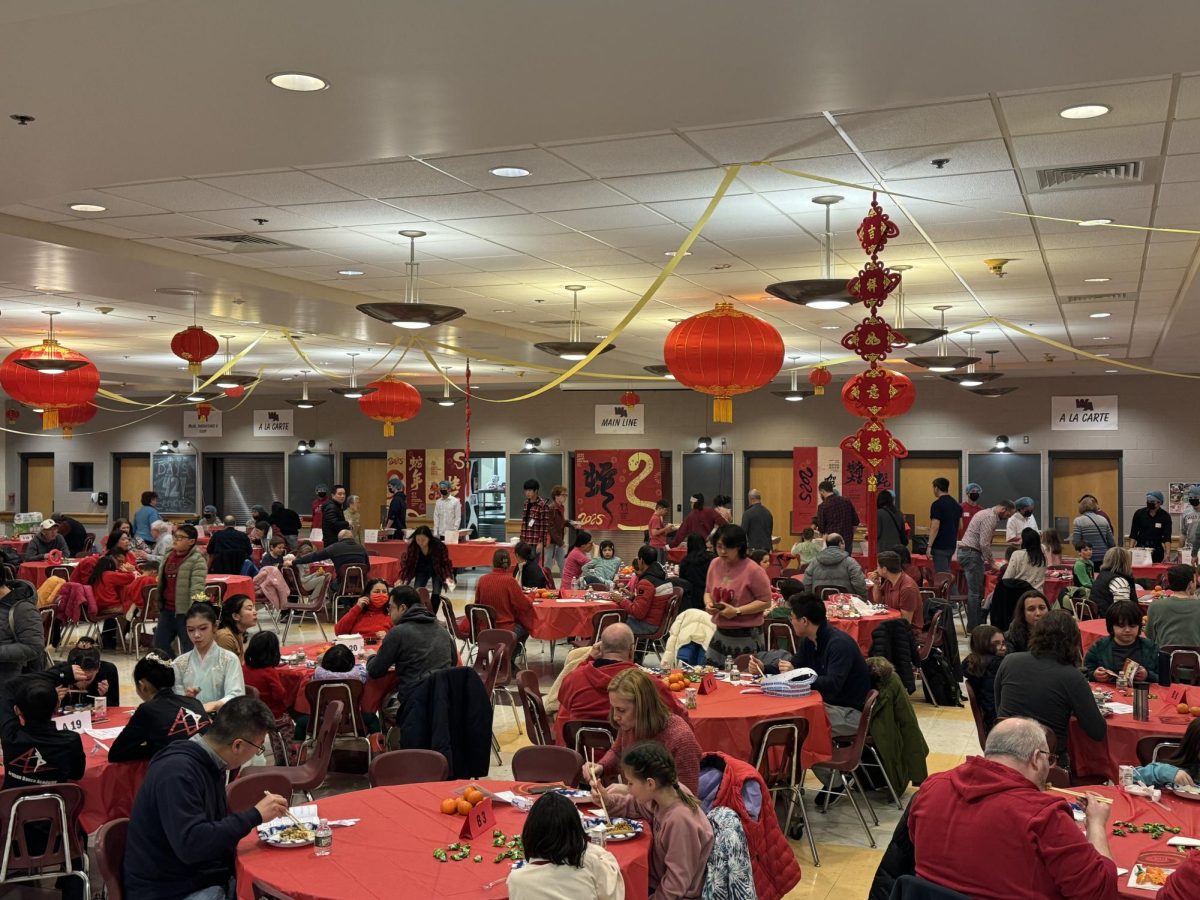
x=182, y=838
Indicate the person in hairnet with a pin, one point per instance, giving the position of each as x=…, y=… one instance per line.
x=1020, y=520
x=1189, y=522
x=1152, y=526
x=970, y=506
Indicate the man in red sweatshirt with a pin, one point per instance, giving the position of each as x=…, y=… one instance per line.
x=998, y=805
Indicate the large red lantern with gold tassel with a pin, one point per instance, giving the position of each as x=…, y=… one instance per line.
x=723, y=352
x=390, y=401
x=49, y=392
x=194, y=345
x=71, y=416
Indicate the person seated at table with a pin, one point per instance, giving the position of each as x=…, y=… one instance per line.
x=416, y=645
x=693, y=569
x=1114, y=581
x=35, y=750
x=737, y=593
x=427, y=562
x=1181, y=767
x=44, y=540
x=1174, y=618
x=228, y=549
x=563, y=863
x=1106, y=658
x=577, y=558
x=207, y=672
x=338, y=662
x=998, y=804
x=1028, y=562
x=1084, y=571
x=345, y=551
x=238, y=616
x=529, y=569
x=1184, y=882
x=260, y=671
x=311, y=578
x=87, y=674
x=834, y=567
x=1031, y=607
x=368, y=616
x=988, y=648
x=1052, y=547
x=843, y=678
x=896, y=590
x=162, y=717
x=1046, y=683
x=640, y=713
x=806, y=549
x=604, y=568
x=652, y=593
x=683, y=836
x=274, y=555
x=182, y=842
x=161, y=532
x=500, y=591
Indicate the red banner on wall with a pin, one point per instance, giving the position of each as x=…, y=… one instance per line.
x=804, y=487
x=414, y=464
x=854, y=484
x=616, y=489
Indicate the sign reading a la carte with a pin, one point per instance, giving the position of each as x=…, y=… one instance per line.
x=1083, y=413
x=620, y=419
x=273, y=423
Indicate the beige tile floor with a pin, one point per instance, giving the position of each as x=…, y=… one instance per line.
x=848, y=862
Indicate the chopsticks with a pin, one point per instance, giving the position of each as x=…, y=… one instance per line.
x=1078, y=795
x=288, y=813
x=599, y=788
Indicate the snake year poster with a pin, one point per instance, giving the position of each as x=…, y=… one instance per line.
x=616, y=489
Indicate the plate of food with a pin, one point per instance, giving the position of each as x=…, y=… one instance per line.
x=615, y=829
x=286, y=833
x=1191, y=791
x=1148, y=878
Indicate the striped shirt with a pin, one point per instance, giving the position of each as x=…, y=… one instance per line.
x=980, y=532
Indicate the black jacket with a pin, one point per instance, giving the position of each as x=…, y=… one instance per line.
x=163, y=719
x=532, y=575
x=1004, y=601
x=894, y=641
x=333, y=520
x=182, y=837
x=64, y=677
x=899, y=859
x=341, y=553
x=417, y=645
x=21, y=642
x=450, y=712
x=397, y=513
x=286, y=520
x=76, y=538
x=1151, y=530
x=36, y=752
x=984, y=687
x=228, y=550
x=694, y=570
x=843, y=678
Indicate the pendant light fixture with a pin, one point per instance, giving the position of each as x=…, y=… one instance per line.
x=661, y=371
x=445, y=399
x=229, y=380
x=574, y=349
x=817, y=293
x=412, y=313
x=914, y=335
x=198, y=396
x=304, y=402
x=944, y=361
x=795, y=395
x=353, y=392
x=51, y=359
x=992, y=374
x=971, y=378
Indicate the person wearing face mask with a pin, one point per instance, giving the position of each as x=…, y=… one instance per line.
x=970, y=506
x=446, y=512
x=1189, y=522
x=1152, y=526
x=368, y=616
x=1020, y=520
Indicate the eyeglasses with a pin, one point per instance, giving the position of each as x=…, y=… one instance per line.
x=257, y=747
x=1049, y=755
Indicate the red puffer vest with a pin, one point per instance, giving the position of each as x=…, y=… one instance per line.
x=774, y=862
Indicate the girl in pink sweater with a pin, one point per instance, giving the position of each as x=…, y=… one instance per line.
x=683, y=836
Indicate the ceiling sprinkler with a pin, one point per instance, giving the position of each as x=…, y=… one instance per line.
x=996, y=266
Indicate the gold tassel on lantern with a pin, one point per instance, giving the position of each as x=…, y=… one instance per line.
x=194, y=368
x=389, y=430
x=68, y=432
x=722, y=409
x=49, y=419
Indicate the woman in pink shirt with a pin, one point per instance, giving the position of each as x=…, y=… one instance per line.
x=580, y=553
x=737, y=593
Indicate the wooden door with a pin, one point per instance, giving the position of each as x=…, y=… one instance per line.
x=1072, y=477
x=39, y=485
x=368, y=479
x=772, y=477
x=135, y=479
x=915, y=484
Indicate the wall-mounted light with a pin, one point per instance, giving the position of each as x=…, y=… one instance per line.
x=704, y=444
x=1002, y=444
x=168, y=446
x=533, y=444
x=303, y=446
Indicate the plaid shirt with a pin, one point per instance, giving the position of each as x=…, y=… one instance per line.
x=535, y=522
x=837, y=515
x=980, y=532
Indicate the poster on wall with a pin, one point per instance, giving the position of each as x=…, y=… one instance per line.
x=193, y=427
x=847, y=472
x=423, y=470
x=395, y=466
x=620, y=419
x=804, y=487
x=1178, y=495
x=173, y=478
x=616, y=489
x=273, y=423
x=1087, y=413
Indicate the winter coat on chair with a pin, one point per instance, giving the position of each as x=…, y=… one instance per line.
x=895, y=731
x=774, y=864
x=449, y=711
x=729, y=874
x=690, y=626
x=893, y=640
x=1004, y=601
x=72, y=600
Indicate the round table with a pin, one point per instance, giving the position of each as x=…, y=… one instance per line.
x=35, y=572
x=296, y=677
x=1139, y=846
x=566, y=617
x=1119, y=746
x=385, y=567
x=232, y=584
x=862, y=629
x=722, y=720
x=1090, y=631
x=465, y=555
x=390, y=851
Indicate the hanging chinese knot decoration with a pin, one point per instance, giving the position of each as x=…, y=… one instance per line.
x=12, y=415
x=75, y=415
x=391, y=401
x=877, y=393
x=630, y=398
x=46, y=391
x=723, y=352
x=194, y=345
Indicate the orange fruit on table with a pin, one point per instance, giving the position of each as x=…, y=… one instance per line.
x=464, y=807
x=1183, y=708
x=450, y=806
x=473, y=795
x=677, y=686
x=1195, y=710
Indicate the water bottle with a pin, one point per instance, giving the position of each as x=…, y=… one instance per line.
x=1141, y=701
x=323, y=845
x=729, y=666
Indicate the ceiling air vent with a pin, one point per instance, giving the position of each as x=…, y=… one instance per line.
x=1119, y=297
x=242, y=243
x=1094, y=175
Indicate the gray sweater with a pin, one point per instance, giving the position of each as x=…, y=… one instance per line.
x=834, y=567
x=1046, y=690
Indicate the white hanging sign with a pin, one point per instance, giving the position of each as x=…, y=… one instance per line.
x=273, y=423
x=1083, y=413
x=193, y=427
x=620, y=418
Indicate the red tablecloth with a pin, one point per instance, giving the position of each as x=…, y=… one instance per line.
x=1119, y=747
x=1154, y=571
x=296, y=677
x=385, y=567
x=14, y=544
x=35, y=572
x=555, y=620
x=389, y=853
x=723, y=720
x=1090, y=631
x=234, y=584
x=861, y=629
x=469, y=555
x=1139, y=846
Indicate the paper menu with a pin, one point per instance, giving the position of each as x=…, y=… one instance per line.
x=105, y=734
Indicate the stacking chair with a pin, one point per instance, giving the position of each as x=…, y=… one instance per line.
x=110, y=854
x=591, y=738
x=977, y=712
x=485, y=641
x=426, y=600
x=309, y=775
x=408, y=767
x=47, y=614
x=827, y=592
x=88, y=543
x=846, y=760
x=933, y=630
x=605, y=617
x=479, y=618
x=537, y=723
x=352, y=729
x=352, y=585
x=54, y=810
x=776, y=745
x=547, y=765
x=451, y=623
x=250, y=785
x=262, y=891
x=656, y=641
x=1185, y=664
x=305, y=605
x=140, y=639
x=489, y=660
x=778, y=635
x=1150, y=746
x=216, y=594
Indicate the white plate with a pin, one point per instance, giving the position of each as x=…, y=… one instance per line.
x=1133, y=876
x=270, y=835
x=593, y=821
x=1190, y=793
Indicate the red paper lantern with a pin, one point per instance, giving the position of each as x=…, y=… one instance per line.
x=12, y=415
x=819, y=377
x=71, y=416
x=203, y=410
x=194, y=345
x=630, y=398
x=723, y=352
x=49, y=392
x=881, y=393
x=392, y=401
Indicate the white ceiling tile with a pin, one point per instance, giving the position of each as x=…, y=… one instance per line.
x=573, y=195
x=602, y=256
x=1093, y=203
x=794, y=139
x=181, y=246
x=460, y=248
x=609, y=273
x=1181, y=192
x=911, y=127
x=283, y=188
x=844, y=167
x=696, y=184
x=100, y=226
x=326, y=238
x=660, y=237
x=244, y=220
x=1064, y=239
x=731, y=209
x=545, y=243
x=1171, y=215
x=1187, y=104
x=502, y=263
x=290, y=258
x=971, y=189
x=114, y=205
x=38, y=214
x=183, y=195
x=1185, y=137
x=455, y=206
x=733, y=227
x=628, y=216
x=1178, y=253
x=407, y=178
x=1003, y=226
x=1096, y=145
x=503, y=226
x=633, y=156
x=166, y=225
x=478, y=279
x=349, y=213
x=966, y=158
x=544, y=168
x=989, y=248
x=1185, y=167
x=1136, y=103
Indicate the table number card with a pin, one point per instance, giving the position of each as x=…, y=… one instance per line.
x=1176, y=694
x=481, y=819
x=78, y=722
x=708, y=684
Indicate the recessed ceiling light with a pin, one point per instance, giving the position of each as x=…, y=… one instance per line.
x=298, y=81
x=501, y=310
x=1085, y=111
x=1099, y=315
x=1111, y=371
x=1092, y=223
x=1102, y=338
x=831, y=327
x=1096, y=280
x=1101, y=354
x=676, y=253
x=87, y=207
x=351, y=272
x=509, y=172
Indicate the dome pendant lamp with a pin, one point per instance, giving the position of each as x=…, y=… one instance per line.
x=572, y=350
x=412, y=314
x=817, y=293
x=944, y=361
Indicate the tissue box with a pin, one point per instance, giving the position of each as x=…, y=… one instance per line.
x=354, y=641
